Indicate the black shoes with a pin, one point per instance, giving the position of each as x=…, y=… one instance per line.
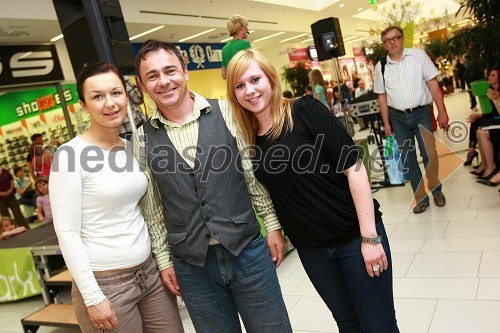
x=470, y=157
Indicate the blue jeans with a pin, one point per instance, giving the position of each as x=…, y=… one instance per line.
x=358, y=302
x=228, y=285
x=407, y=127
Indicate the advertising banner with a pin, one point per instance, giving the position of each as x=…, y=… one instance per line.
x=199, y=55
x=16, y=106
x=29, y=64
x=18, y=277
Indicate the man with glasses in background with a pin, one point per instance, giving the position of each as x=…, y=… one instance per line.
x=406, y=84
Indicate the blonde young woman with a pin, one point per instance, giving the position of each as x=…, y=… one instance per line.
x=321, y=194
x=318, y=85
x=95, y=188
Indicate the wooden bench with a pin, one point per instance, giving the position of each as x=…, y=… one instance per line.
x=59, y=315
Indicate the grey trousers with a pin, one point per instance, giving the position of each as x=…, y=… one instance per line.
x=141, y=302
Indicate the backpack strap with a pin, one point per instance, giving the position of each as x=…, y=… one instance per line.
x=383, y=62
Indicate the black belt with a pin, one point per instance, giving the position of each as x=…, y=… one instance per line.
x=410, y=110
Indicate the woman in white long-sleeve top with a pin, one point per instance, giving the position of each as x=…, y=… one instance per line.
x=95, y=188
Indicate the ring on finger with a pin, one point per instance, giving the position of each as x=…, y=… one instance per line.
x=376, y=268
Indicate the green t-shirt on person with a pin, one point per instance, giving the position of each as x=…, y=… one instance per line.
x=231, y=48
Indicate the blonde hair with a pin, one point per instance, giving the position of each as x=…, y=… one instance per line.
x=235, y=23
x=4, y=219
x=281, y=110
x=317, y=78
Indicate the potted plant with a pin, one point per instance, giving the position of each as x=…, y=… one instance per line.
x=479, y=40
x=296, y=77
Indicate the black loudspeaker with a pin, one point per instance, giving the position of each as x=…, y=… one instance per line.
x=94, y=30
x=328, y=38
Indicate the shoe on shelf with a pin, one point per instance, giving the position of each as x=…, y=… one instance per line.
x=420, y=207
x=470, y=157
x=439, y=199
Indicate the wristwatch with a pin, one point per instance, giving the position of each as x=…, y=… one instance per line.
x=371, y=240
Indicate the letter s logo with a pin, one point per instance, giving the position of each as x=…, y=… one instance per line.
x=42, y=66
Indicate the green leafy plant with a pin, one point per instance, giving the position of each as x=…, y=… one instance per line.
x=296, y=78
x=438, y=48
x=480, y=39
x=375, y=51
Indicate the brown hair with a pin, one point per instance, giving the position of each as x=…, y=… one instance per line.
x=94, y=69
x=317, y=78
x=153, y=45
x=281, y=110
x=40, y=180
x=392, y=27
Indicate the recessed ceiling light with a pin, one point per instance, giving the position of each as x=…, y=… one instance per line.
x=196, y=35
x=341, y=5
x=147, y=32
x=270, y=36
x=360, y=9
x=57, y=37
x=294, y=37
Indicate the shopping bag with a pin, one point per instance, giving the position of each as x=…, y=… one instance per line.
x=393, y=162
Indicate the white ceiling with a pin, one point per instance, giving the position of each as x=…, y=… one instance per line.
x=35, y=21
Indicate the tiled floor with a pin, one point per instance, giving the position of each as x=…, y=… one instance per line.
x=446, y=261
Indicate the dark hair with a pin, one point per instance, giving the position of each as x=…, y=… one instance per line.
x=17, y=168
x=35, y=136
x=392, y=27
x=498, y=75
x=153, y=45
x=93, y=69
x=287, y=94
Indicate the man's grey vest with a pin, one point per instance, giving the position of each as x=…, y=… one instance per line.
x=210, y=200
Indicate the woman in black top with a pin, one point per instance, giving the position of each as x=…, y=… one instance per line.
x=321, y=194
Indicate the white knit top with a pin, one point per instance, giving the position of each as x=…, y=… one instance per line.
x=94, y=194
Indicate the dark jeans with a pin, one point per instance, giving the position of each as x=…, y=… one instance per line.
x=28, y=199
x=410, y=128
x=358, y=302
x=228, y=285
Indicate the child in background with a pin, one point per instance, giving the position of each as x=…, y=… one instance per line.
x=8, y=228
x=43, y=200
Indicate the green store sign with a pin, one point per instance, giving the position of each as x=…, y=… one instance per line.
x=16, y=106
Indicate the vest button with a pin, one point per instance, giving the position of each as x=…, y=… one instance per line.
x=191, y=174
x=207, y=218
x=207, y=236
x=203, y=203
x=196, y=189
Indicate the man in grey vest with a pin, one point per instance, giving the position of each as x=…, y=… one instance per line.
x=198, y=205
